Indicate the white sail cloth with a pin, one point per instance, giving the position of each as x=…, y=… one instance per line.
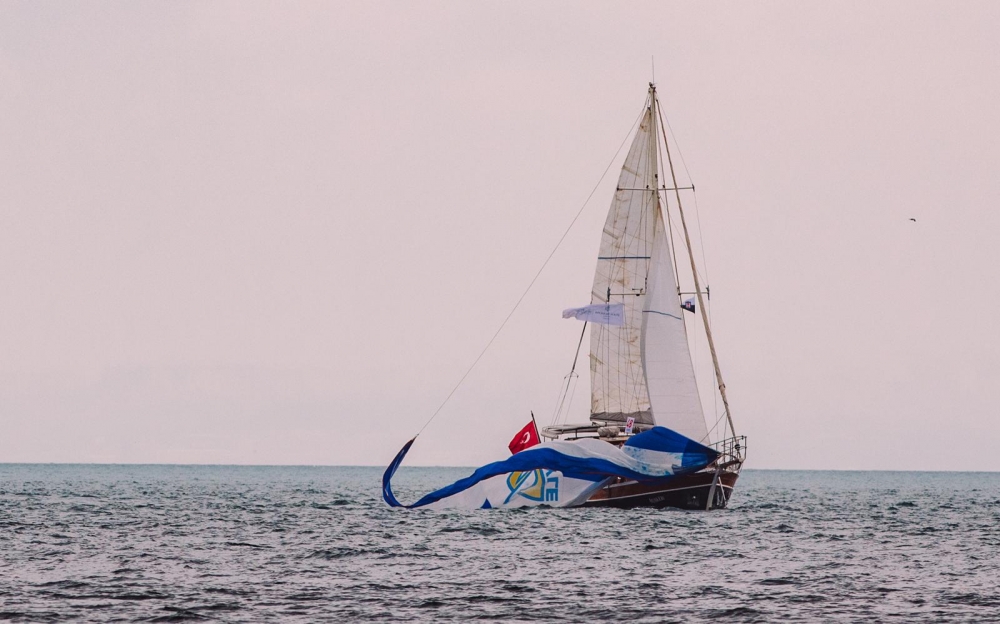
x=666, y=356
x=601, y=314
x=617, y=382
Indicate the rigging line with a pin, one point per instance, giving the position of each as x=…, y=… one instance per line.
x=569, y=378
x=713, y=428
x=533, y=280
x=561, y=398
x=572, y=393
x=697, y=289
x=697, y=212
x=692, y=337
x=704, y=263
x=701, y=238
x=670, y=232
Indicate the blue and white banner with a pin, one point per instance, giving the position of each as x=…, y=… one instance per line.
x=601, y=313
x=562, y=473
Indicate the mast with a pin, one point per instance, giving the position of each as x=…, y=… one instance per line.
x=694, y=269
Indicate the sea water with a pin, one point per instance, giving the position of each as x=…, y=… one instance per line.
x=244, y=544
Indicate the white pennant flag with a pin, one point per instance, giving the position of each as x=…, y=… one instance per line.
x=601, y=313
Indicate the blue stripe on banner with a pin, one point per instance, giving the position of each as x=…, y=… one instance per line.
x=663, y=313
x=623, y=257
x=587, y=468
x=387, y=495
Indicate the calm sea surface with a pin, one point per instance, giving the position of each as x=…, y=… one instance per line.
x=170, y=543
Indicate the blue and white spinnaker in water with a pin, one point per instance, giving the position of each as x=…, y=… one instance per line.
x=562, y=473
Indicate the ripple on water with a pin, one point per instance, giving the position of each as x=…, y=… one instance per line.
x=174, y=543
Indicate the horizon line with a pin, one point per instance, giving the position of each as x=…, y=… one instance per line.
x=379, y=466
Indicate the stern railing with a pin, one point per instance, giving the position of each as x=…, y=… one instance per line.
x=732, y=452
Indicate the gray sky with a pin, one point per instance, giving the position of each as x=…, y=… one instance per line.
x=279, y=233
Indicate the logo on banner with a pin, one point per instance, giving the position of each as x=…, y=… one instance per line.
x=537, y=485
x=629, y=423
x=602, y=313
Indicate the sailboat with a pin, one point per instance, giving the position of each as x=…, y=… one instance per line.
x=646, y=442
x=641, y=369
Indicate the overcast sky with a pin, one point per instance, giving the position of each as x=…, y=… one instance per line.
x=280, y=233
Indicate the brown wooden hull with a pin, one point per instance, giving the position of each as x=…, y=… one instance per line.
x=685, y=492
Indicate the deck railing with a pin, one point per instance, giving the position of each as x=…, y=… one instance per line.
x=732, y=451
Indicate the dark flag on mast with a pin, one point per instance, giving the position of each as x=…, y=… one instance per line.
x=688, y=304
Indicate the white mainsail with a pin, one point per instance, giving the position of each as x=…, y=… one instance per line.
x=642, y=369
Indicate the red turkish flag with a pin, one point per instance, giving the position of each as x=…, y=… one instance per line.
x=525, y=438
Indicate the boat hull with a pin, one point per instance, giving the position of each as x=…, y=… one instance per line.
x=685, y=492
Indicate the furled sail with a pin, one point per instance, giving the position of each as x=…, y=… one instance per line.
x=643, y=368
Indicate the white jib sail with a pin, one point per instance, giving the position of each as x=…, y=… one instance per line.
x=666, y=355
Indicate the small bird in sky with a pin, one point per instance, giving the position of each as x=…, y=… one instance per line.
x=912, y=219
